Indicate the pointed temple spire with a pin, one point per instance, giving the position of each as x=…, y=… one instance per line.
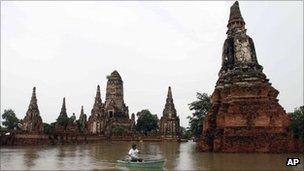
x=82, y=120
x=169, y=122
x=63, y=109
x=98, y=101
x=169, y=95
x=32, y=121
x=238, y=50
x=244, y=101
x=235, y=18
x=81, y=111
x=33, y=102
x=169, y=110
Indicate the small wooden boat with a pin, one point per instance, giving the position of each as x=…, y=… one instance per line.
x=143, y=164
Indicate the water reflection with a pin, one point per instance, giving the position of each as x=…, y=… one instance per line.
x=103, y=155
x=29, y=157
x=170, y=151
x=186, y=156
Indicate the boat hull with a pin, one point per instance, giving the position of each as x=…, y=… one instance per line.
x=143, y=164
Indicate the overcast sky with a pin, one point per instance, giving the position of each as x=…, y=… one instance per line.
x=66, y=49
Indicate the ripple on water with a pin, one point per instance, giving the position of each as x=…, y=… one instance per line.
x=103, y=155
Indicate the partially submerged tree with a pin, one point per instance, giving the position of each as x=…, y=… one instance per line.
x=48, y=128
x=146, y=122
x=119, y=130
x=297, y=123
x=63, y=121
x=185, y=133
x=10, y=119
x=200, y=108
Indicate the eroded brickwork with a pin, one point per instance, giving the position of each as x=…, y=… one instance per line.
x=169, y=122
x=245, y=114
x=32, y=121
x=113, y=112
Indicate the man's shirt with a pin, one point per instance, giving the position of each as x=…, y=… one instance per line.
x=133, y=153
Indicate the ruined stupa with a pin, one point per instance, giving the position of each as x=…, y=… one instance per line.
x=113, y=112
x=114, y=104
x=32, y=121
x=97, y=118
x=82, y=121
x=169, y=122
x=63, y=112
x=245, y=115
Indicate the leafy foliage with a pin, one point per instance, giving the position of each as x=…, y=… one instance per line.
x=63, y=121
x=200, y=107
x=185, y=133
x=146, y=122
x=297, y=123
x=11, y=121
x=48, y=128
x=119, y=130
x=2, y=129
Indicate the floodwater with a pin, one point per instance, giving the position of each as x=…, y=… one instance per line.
x=102, y=155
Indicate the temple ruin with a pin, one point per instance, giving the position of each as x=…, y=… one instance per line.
x=169, y=122
x=113, y=112
x=245, y=115
x=82, y=121
x=32, y=121
x=64, y=123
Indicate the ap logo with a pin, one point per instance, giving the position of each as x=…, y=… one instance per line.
x=292, y=161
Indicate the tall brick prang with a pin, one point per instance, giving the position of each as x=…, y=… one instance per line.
x=32, y=121
x=169, y=122
x=245, y=115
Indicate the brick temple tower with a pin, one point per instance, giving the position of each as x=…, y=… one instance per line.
x=113, y=112
x=32, y=121
x=169, y=122
x=82, y=121
x=63, y=112
x=114, y=104
x=245, y=115
x=97, y=118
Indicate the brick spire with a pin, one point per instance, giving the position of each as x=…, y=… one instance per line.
x=169, y=110
x=33, y=103
x=98, y=101
x=32, y=121
x=81, y=111
x=235, y=18
x=169, y=95
x=82, y=120
x=63, y=109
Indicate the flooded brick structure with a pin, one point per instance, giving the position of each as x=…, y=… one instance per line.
x=71, y=125
x=169, y=122
x=245, y=114
x=82, y=121
x=32, y=121
x=113, y=112
x=97, y=120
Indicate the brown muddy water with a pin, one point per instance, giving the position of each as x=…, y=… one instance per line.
x=103, y=155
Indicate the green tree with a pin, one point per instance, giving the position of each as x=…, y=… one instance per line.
x=10, y=119
x=2, y=129
x=47, y=128
x=297, y=123
x=146, y=122
x=63, y=121
x=185, y=133
x=119, y=130
x=200, y=108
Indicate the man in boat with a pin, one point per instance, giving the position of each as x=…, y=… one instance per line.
x=133, y=153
